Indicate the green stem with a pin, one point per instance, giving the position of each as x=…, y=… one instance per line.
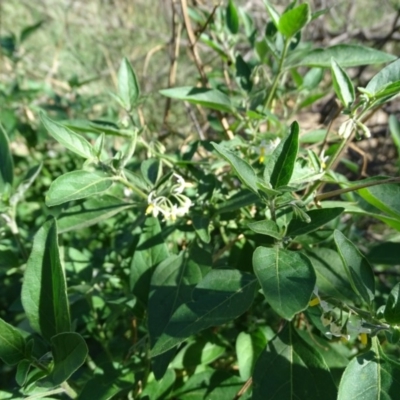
x=278, y=75
x=130, y=186
x=338, y=192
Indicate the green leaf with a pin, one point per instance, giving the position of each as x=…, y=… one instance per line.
x=22, y=372
x=248, y=348
x=106, y=385
x=293, y=20
x=330, y=278
x=286, y=277
x=158, y=389
x=77, y=185
x=359, y=272
x=69, y=139
x=232, y=17
x=149, y=252
x=319, y=217
x=386, y=83
x=220, y=297
x=280, y=165
x=272, y=13
x=342, y=84
x=242, y=169
x=199, y=352
x=44, y=291
x=392, y=308
x=370, y=376
x=384, y=197
x=346, y=55
x=291, y=369
x=241, y=199
x=201, y=226
x=210, y=98
x=12, y=344
x=171, y=285
x=243, y=73
x=6, y=163
x=91, y=212
x=69, y=352
x=128, y=87
x=28, y=30
x=151, y=170
x=266, y=227
x=394, y=127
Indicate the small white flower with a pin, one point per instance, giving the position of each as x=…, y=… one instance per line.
x=265, y=149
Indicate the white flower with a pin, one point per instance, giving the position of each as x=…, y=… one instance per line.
x=265, y=149
x=163, y=205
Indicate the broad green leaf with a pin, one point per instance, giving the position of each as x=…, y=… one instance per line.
x=77, y=185
x=232, y=17
x=6, y=163
x=342, y=84
x=248, y=348
x=266, y=227
x=69, y=352
x=392, y=308
x=370, y=376
x=291, y=369
x=242, y=169
x=287, y=279
x=384, y=197
x=171, y=285
x=329, y=270
x=280, y=165
x=44, y=290
x=220, y=297
x=210, y=98
x=346, y=55
x=91, y=212
x=158, y=389
x=149, y=252
x=387, y=253
x=319, y=217
x=293, y=20
x=198, y=352
x=386, y=82
x=105, y=386
x=128, y=87
x=359, y=271
x=69, y=139
x=12, y=344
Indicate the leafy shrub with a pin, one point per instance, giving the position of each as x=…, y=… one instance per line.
x=213, y=268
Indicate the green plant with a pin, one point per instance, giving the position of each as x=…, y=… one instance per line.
x=222, y=270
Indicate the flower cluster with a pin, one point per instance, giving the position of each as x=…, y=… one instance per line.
x=172, y=207
x=336, y=328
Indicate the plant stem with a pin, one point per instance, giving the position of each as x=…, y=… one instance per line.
x=278, y=75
